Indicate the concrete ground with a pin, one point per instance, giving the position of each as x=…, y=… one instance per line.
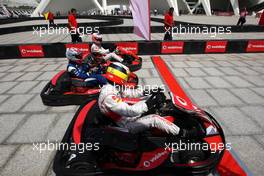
x=230, y=86
x=59, y=36
x=126, y=22
x=217, y=20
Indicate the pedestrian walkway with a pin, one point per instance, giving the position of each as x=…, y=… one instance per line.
x=230, y=86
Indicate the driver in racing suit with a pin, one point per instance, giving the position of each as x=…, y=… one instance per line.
x=88, y=69
x=130, y=116
x=98, y=51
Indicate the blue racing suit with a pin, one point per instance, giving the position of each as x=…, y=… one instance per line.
x=92, y=76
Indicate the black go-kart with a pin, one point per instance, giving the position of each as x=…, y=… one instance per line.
x=114, y=151
x=65, y=90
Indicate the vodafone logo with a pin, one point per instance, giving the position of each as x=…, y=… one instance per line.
x=255, y=46
x=31, y=51
x=181, y=100
x=149, y=162
x=172, y=47
x=129, y=46
x=216, y=46
x=83, y=47
x=24, y=51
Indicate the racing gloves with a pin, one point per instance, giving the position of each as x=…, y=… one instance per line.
x=155, y=101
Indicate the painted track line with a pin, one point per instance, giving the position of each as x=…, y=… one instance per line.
x=230, y=165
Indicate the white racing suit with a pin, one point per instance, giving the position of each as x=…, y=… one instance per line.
x=130, y=116
x=99, y=51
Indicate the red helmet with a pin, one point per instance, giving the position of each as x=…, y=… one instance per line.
x=97, y=38
x=117, y=73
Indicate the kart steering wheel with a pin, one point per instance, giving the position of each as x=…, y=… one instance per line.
x=158, y=105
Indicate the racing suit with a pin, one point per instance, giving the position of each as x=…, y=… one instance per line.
x=92, y=76
x=130, y=116
x=99, y=51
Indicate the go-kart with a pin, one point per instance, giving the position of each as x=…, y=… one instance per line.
x=65, y=90
x=131, y=60
x=114, y=151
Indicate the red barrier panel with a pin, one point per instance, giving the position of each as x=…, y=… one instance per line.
x=255, y=46
x=215, y=46
x=172, y=47
x=130, y=46
x=83, y=47
x=31, y=51
x=55, y=50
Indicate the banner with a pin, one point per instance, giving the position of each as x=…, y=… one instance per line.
x=83, y=47
x=215, y=47
x=31, y=51
x=129, y=46
x=255, y=46
x=141, y=18
x=172, y=47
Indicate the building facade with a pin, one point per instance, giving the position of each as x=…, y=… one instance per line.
x=180, y=6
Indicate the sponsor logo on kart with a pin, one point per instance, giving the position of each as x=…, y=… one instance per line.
x=148, y=163
x=172, y=47
x=31, y=51
x=255, y=46
x=83, y=47
x=129, y=46
x=216, y=46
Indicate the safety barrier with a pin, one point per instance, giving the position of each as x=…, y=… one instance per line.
x=54, y=50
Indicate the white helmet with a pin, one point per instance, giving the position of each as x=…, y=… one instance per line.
x=73, y=54
x=97, y=38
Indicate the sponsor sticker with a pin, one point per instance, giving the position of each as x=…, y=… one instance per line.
x=172, y=47
x=255, y=46
x=83, y=47
x=155, y=158
x=215, y=46
x=31, y=51
x=129, y=46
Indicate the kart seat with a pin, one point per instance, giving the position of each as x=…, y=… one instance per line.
x=61, y=82
x=98, y=128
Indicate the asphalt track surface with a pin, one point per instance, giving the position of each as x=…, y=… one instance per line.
x=230, y=86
